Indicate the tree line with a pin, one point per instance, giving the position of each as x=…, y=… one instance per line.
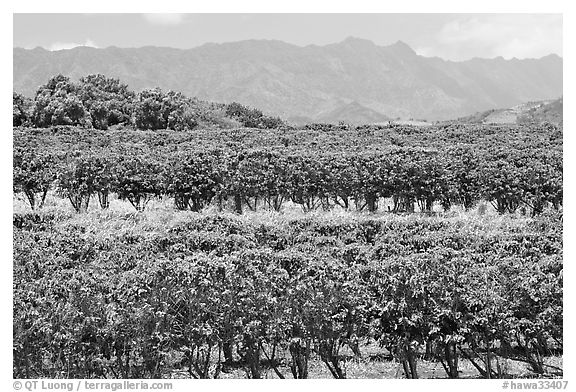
x=100, y=102
x=529, y=179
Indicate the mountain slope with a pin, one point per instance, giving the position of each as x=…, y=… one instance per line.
x=312, y=81
x=550, y=111
x=353, y=113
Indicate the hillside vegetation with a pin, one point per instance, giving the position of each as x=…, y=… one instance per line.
x=531, y=113
x=97, y=101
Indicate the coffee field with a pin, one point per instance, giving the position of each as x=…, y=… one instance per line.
x=319, y=251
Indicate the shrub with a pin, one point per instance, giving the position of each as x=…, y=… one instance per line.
x=58, y=103
x=22, y=108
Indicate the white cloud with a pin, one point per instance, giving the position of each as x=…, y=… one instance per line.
x=164, y=19
x=70, y=45
x=506, y=35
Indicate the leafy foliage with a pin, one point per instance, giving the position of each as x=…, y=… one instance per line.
x=101, y=102
x=210, y=293
x=33, y=174
x=107, y=100
x=136, y=179
x=252, y=118
x=155, y=109
x=58, y=103
x=517, y=170
x=21, y=110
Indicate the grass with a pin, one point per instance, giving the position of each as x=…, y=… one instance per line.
x=160, y=214
x=372, y=366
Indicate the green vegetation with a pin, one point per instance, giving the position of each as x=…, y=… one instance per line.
x=549, y=113
x=180, y=294
x=514, y=168
x=96, y=101
x=282, y=252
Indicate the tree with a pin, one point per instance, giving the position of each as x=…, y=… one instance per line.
x=33, y=174
x=462, y=173
x=107, y=100
x=148, y=110
x=178, y=112
x=82, y=176
x=137, y=178
x=21, y=109
x=155, y=109
x=193, y=179
x=252, y=118
x=58, y=103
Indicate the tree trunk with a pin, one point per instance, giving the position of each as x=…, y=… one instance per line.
x=79, y=202
x=103, y=199
x=36, y=201
x=181, y=201
x=237, y=203
x=252, y=358
x=300, y=356
x=139, y=202
x=227, y=350
x=412, y=362
x=372, y=202
x=329, y=354
x=451, y=357
x=407, y=357
x=31, y=199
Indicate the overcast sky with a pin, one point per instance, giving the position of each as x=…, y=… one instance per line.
x=450, y=36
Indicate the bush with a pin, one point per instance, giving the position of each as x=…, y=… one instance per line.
x=252, y=118
x=155, y=109
x=22, y=108
x=212, y=292
x=33, y=174
x=138, y=179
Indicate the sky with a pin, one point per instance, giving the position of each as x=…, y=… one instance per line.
x=449, y=36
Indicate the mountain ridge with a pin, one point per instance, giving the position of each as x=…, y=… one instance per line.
x=347, y=39
x=310, y=81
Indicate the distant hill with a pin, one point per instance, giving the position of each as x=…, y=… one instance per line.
x=550, y=111
x=353, y=113
x=354, y=80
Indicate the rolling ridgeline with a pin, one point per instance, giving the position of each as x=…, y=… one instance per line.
x=353, y=81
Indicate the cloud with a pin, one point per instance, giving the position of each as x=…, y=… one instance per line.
x=506, y=35
x=164, y=19
x=70, y=45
